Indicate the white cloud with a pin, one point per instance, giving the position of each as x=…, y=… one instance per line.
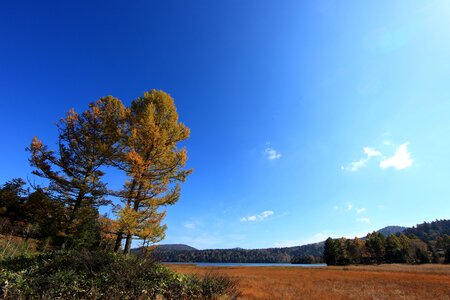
x=336, y=207
x=260, y=217
x=272, y=154
x=371, y=152
x=266, y=214
x=349, y=206
x=400, y=160
x=189, y=225
x=356, y=165
x=360, y=210
x=364, y=220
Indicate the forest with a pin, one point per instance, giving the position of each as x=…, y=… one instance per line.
x=427, y=242
x=311, y=253
x=424, y=243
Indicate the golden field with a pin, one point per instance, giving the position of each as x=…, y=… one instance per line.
x=350, y=282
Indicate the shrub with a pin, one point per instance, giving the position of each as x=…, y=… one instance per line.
x=103, y=275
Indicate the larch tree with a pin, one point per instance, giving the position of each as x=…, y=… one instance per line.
x=153, y=163
x=86, y=142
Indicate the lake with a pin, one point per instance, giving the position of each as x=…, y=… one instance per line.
x=200, y=264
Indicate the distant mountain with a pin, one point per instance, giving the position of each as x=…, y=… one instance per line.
x=165, y=248
x=388, y=230
x=175, y=247
x=311, y=253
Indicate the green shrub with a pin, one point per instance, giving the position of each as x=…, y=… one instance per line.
x=103, y=275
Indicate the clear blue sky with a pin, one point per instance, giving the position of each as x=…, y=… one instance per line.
x=309, y=119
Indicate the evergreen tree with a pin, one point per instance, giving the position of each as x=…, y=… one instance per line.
x=394, y=252
x=331, y=251
x=85, y=144
x=375, y=244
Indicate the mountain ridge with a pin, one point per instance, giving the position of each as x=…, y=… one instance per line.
x=386, y=231
x=310, y=253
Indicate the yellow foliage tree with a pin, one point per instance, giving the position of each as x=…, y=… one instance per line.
x=153, y=164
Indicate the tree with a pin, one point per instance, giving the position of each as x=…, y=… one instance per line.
x=394, y=252
x=12, y=198
x=354, y=250
x=150, y=158
x=417, y=251
x=86, y=142
x=447, y=249
x=375, y=244
x=331, y=251
x=45, y=216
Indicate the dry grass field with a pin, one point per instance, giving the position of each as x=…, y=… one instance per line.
x=352, y=282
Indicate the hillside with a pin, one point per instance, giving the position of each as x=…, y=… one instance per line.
x=175, y=247
x=311, y=253
x=430, y=231
x=388, y=230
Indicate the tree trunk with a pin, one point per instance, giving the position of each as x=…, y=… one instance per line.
x=127, y=244
x=118, y=243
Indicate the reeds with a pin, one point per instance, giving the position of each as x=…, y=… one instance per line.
x=351, y=282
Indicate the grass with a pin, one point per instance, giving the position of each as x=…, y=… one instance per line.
x=351, y=282
x=11, y=246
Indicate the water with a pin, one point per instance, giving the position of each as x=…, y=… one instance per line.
x=201, y=264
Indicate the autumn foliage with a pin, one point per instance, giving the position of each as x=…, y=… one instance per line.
x=141, y=142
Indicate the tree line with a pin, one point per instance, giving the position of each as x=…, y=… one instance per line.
x=140, y=142
x=311, y=253
x=428, y=242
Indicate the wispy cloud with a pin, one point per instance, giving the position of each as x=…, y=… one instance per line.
x=349, y=206
x=356, y=165
x=288, y=243
x=401, y=159
x=361, y=210
x=189, y=225
x=260, y=217
x=364, y=220
x=201, y=241
x=318, y=237
x=271, y=153
x=371, y=152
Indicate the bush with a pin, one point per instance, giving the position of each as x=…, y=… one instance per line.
x=103, y=275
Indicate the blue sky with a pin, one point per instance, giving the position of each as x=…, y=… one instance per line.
x=308, y=119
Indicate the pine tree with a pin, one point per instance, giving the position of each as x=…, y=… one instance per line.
x=86, y=142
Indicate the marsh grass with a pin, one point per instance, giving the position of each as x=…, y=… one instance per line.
x=350, y=282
